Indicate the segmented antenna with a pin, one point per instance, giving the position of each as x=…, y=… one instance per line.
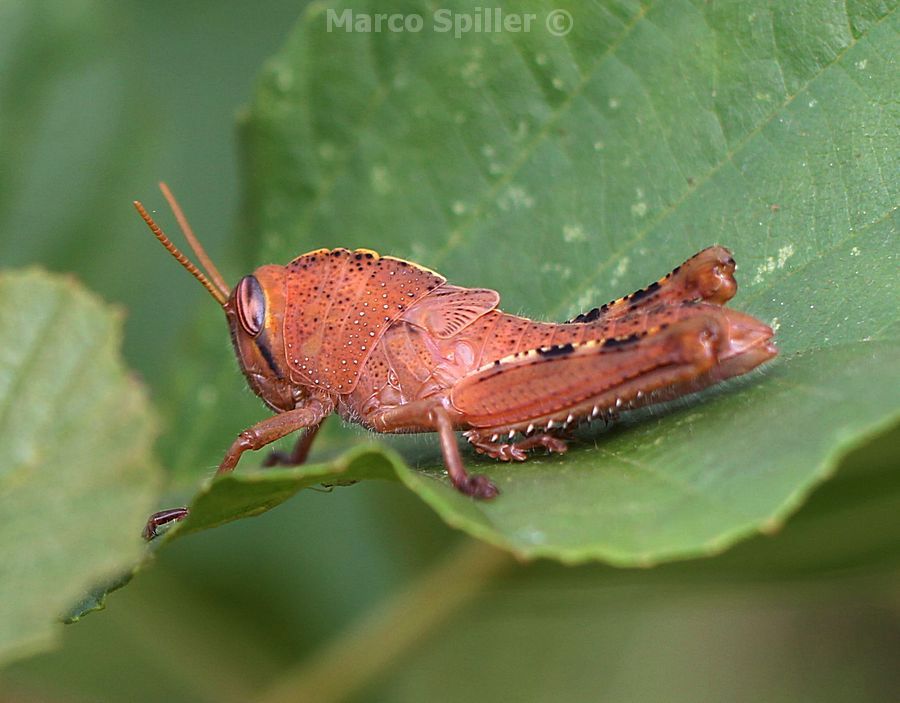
x=200, y=252
x=220, y=297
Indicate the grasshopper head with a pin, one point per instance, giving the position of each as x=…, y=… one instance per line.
x=255, y=311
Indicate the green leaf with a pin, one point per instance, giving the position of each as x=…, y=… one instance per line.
x=246, y=494
x=76, y=477
x=566, y=171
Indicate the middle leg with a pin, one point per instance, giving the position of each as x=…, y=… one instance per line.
x=474, y=485
x=298, y=454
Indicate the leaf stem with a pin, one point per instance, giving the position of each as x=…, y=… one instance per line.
x=367, y=648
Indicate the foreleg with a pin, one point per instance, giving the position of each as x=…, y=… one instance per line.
x=256, y=437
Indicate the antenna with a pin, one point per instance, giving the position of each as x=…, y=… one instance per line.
x=220, y=296
x=205, y=261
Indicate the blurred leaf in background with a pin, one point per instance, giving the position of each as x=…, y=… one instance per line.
x=227, y=614
x=76, y=472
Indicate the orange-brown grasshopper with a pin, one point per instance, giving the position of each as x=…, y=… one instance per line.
x=390, y=345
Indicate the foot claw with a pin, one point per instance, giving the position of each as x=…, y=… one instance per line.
x=510, y=452
x=163, y=517
x=479, y=486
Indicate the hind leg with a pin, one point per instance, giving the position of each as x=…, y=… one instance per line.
x=708, y=276
x=517, y=451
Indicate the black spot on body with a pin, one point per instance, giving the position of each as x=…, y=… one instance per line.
x=588, y=316
x=263, y=347
x=620, y=341
x=644, y=292
x=557, y=350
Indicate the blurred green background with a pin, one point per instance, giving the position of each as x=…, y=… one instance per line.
x=99, y=101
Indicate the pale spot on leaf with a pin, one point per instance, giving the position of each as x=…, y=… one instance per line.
x=573, y=234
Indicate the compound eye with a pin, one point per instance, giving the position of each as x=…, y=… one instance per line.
x=251, y=305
